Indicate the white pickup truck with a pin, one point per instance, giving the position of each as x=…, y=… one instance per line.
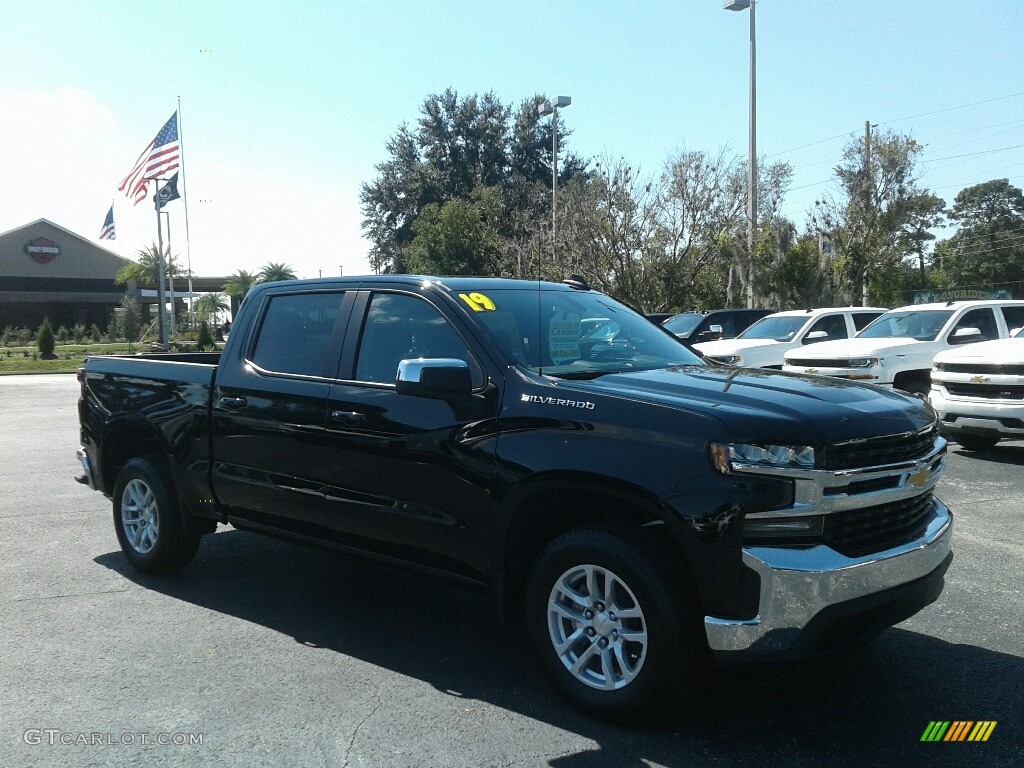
x=764, y=343
x=897, y=349
x=978, y=392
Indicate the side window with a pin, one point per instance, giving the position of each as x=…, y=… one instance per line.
x=983, y=319
x=861, y=320
x=1014, y=317
x=833, y=325
x=398, y=327
x=295, y=334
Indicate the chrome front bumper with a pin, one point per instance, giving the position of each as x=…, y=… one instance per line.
x=798, y=584
x=90, y=472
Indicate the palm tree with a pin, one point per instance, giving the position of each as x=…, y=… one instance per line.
x=239, y=283
x=271, y=272
x=146, y=271
x=209, y=305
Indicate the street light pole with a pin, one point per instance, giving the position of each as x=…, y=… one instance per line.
x=740, y=5
x=551, y=108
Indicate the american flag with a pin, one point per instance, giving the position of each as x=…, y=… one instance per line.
x=107, y=232
x=161, y=156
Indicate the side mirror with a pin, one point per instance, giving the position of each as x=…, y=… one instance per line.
x=439, y=378
x=713, y=333
x=814, y=336
x=965, y=335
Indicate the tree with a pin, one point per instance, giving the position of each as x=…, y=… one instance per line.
x=239, y=283
x=209, y=305
x=131, y=318
x=875, y=223
x=45, y=340
x=988, y=247
x=273, y=271
x=146, y=271
x=204, y=340
x=458, y=238
x=460, y=145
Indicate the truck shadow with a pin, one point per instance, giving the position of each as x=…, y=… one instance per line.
x=862, y=709
x=1010, y=454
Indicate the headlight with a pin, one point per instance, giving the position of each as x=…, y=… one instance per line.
x=862, y=362
x=725, y=455
x=728, y=359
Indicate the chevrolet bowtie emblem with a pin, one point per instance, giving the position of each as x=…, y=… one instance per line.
x=810, y=370
x=979, y=379
x=919, y=478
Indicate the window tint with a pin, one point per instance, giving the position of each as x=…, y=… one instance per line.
x=295, y=334
x=982, y=319
x=1014, y=317
x=862, y=319
x=833, y=325
x=400, y=327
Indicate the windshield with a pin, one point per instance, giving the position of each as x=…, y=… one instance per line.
x=576, y=334
x=775, y=328
x=922, y=325
x=682, y=325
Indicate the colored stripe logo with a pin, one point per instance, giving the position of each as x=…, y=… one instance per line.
x=958, y=730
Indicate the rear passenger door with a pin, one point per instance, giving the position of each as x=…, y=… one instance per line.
x=409, y=477
x=270, y=409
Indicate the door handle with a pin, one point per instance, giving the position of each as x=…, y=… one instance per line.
x=352, y=418
x=233, y=403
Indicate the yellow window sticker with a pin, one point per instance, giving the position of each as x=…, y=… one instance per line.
x=477, y=302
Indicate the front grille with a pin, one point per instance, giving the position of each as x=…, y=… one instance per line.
x=860, y=532
x=878, y=451
x=819, y=363
x=1005, y=370
x=986, y=391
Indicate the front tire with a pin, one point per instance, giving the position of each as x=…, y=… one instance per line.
x=147, y=520
x=611, y=626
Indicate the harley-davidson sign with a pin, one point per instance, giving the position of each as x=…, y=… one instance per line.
x=42, y=250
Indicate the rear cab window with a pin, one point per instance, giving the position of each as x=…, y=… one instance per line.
x=299, y=334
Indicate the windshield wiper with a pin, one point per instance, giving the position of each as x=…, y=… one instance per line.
x=582, y=375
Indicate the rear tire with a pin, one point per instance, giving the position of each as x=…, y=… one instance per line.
x=976, y=442
x=611, y=626
x=147, y=519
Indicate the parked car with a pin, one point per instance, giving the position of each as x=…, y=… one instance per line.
x=659, y=317
x=695, y=327
x=764, y=344
x=898, y=348
x=643, y=513
x=978, y=392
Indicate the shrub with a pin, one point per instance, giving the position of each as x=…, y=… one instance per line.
x=95, y=333
x=24, y=335
x=205, y=338
x=78, y=333
x=63, y=334
x=44, y=339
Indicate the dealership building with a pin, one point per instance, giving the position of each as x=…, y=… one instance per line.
x=49, y=271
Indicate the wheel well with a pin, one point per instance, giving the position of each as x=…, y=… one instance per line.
x=122, y=444
x=542, y=518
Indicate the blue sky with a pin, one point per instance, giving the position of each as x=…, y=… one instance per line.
x=286, y=107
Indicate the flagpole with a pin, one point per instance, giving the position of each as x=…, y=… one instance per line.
x=184, y=201
x=160, y=261
x=170, y=270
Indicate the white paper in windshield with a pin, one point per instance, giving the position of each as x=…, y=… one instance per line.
x=564, y=338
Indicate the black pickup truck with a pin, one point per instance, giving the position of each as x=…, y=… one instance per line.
x=643, y=512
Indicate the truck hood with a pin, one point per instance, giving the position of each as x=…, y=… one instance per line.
x=732, y=346
x=845, y=348
x=758, y=405
x=996, y=351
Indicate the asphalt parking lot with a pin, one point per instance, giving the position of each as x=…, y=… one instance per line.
x=264, y=653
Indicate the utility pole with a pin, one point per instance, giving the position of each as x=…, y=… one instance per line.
x=869, y=183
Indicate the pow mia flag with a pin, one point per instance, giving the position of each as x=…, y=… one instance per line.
x=167, y=192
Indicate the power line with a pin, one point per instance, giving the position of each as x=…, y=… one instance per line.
x=897, y=120
x=973, y=154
